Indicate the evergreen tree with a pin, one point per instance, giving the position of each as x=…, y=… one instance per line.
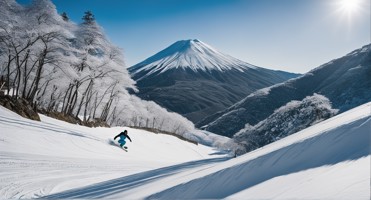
x=88, y=17
x=65, y=17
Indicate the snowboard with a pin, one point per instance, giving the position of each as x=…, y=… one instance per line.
x=124, y=148
x=113, y=143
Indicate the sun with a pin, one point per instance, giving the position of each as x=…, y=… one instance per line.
x=350, y=11
x=349, y=6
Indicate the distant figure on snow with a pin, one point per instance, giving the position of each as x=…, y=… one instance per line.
x=123, y=136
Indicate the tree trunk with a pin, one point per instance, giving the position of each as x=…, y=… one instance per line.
x=68, y=92
x=38, y=75
x=73, y=100
x=8, y=73
x=83, y=98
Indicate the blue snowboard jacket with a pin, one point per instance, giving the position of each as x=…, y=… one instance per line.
x=123, y=136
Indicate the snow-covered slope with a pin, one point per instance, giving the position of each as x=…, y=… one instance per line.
x=327, y=161
x=45, y=159
x=39, y=158
x=195, y=80
x=330, y=160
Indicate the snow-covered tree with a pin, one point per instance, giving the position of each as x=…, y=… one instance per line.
x=65, y=16
x=60, y=66
x=88, y=17
x=288, y=119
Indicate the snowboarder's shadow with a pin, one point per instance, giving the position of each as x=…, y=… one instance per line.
x=113, y=143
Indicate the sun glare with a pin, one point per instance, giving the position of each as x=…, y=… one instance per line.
x=349, y=6
x=350, y=11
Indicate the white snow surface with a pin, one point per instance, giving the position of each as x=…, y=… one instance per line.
x=193, y=54
x=54, y=159
x=41, y=158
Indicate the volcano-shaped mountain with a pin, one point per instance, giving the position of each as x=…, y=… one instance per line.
x=191, y=78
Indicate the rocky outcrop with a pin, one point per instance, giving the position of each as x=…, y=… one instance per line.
x=20, y=106
x=23, y=108
x=74, y=120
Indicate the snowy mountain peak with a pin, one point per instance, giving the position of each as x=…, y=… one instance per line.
x=192, y=54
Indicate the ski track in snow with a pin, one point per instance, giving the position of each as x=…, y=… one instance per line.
x=123, y=184
x=31, y=177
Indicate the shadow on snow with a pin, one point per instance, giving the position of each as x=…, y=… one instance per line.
x=104, y=189
x=345, y=143
x=42, y=125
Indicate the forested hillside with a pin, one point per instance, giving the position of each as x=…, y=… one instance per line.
x=72, y=69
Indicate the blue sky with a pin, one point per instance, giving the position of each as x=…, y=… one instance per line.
x=290, y=35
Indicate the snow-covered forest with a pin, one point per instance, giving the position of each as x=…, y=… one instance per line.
x=286, y=120
x=64, y=67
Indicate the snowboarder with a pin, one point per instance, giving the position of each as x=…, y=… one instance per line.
x=123, y=136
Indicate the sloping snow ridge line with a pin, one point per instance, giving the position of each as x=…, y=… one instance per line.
x=330, y=160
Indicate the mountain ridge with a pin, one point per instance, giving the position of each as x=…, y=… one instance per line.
x=345, y=81
x=195, y=80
